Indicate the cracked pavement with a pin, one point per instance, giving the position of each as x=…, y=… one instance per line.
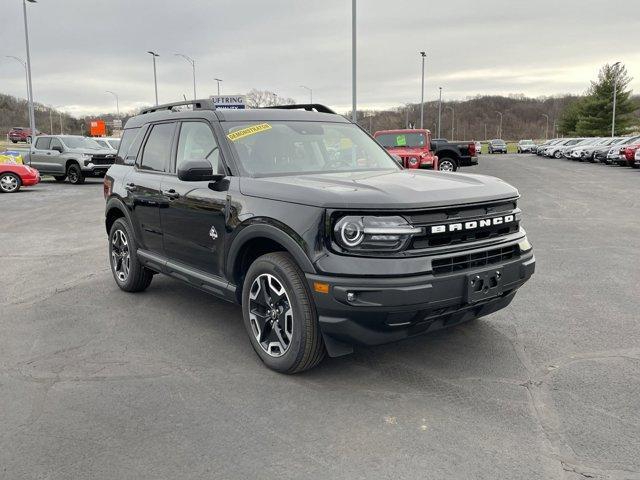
x=96, y=383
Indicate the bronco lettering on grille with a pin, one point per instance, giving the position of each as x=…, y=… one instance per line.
x=472, y=225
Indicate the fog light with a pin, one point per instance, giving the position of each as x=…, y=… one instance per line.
x=351, y=296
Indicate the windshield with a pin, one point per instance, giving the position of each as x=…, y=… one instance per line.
x=393, y=140
x=114, y=144
x=498, y=142
x=81, y=142
x=289, y=147
x=102, y=143
x=526, y=142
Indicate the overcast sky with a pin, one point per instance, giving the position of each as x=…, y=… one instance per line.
x=80, y=48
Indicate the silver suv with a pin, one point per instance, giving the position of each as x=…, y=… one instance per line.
x=71, y=157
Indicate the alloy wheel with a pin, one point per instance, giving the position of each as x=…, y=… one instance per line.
x=270, y=315
x=72, y=175
x=120, y=255
x=446, y=166
x=8, y=183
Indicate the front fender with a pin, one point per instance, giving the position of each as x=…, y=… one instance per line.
x=281, y=234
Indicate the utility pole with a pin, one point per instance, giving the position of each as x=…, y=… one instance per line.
x=485, y=131
x=155, y=76
x=546, y=129
x=453, y=117
x=32, y=116
x=406, y=116
x=50, y=121
x=439, y=111
x=500, y=128
x=423, y=55
x=614, y=67
x=218, y=80
x=354, y=106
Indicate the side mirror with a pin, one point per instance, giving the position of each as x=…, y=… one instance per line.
x=197, y=171
x=57, y=148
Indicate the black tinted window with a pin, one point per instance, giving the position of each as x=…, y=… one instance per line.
x=129, y=146
x=157, y=150
x=43, y=143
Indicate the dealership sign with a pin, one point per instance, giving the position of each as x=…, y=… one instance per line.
x=228, y=101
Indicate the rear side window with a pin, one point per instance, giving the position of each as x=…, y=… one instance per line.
x=42, y=143
x=157, y=150
x=130, y=146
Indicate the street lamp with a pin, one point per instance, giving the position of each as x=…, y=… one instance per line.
x=32, y=117
x=193, y=67
x=354, y=114
x=310, y=93
x=546, y=130
x=615, y=69
x=155, y=76
x=453, y=117
x=117, y=104
x=26, y=74
x=423, y=55
x=439, y=111
x=218, y=80
x=500, y=128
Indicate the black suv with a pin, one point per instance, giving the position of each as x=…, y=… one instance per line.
x=301, y=217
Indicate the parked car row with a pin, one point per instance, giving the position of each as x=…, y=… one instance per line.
x=608, y=150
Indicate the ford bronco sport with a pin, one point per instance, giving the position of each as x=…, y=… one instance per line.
x=302, y=218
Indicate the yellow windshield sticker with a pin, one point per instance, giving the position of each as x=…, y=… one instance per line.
x=245, y=132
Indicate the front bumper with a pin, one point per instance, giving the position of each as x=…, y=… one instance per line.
x=387, y=309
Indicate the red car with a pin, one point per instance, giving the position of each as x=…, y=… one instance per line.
x=627, y=155
x=412, y=146
x=13, y=176
x=21, y=134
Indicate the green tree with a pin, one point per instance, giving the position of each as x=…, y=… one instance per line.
x=596, y=111
x=570, y=117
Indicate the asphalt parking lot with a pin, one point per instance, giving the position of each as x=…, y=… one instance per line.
x=96, y=383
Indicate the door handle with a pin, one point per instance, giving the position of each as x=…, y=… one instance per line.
x=172, y=194
x=130, y=187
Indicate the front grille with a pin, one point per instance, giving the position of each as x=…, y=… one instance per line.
x=103, y=159
x=463, y=215
x=458, y=263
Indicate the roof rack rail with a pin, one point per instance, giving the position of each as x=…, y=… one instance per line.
x=203, y=104
x=318, y=107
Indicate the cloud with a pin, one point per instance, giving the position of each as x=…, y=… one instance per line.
x=80, y=49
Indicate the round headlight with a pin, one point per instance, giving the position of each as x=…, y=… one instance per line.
x=413, y=161
x=351, y=233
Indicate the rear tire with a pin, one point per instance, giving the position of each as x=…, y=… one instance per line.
x=447, y=165
x=280, y=316
x=74, y=174
x=60, y=178
x=130, y=275
x=10, y=183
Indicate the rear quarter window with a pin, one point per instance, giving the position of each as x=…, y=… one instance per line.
x=130, y=145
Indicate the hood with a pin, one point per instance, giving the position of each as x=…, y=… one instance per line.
x=88, y=151
x=380, y=190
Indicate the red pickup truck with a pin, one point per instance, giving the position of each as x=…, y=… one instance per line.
x=412, y=146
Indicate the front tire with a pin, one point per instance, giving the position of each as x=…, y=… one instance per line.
x=127, y=270
x=74, y=174
x=10, y=183
x=280, y=316
x=557, y=154
x=447, y=165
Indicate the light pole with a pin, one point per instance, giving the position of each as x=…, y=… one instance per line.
x=193, y=67
x=500, y=128
x=453, y=117
x=546, y=130
x=155, y=76
x=423, y=55
x=439, y=111
x=32, y=117
x=310, y=93
x=117, y=104
x=614, y=67
x=218, y=80
x=354, y=114
x=26, y=75
x=50, y=121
